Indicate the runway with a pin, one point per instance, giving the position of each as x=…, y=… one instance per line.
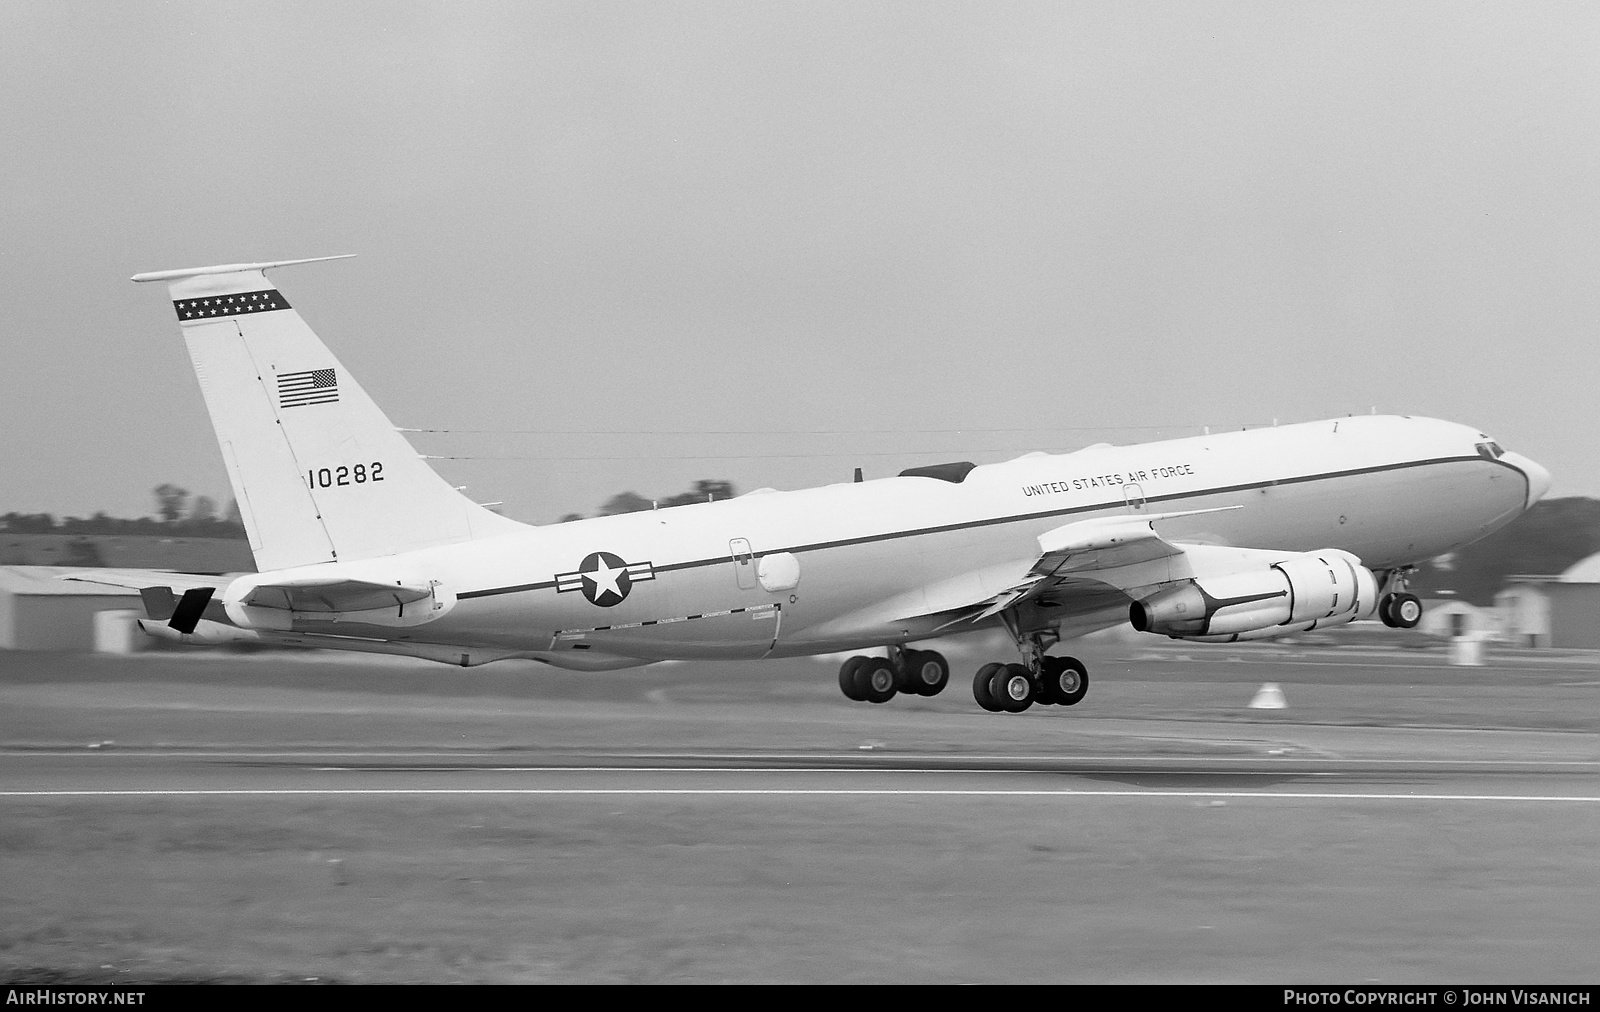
x=105, y=773
x=271, y=819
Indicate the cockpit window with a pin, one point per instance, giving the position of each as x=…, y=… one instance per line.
x=1490, y=450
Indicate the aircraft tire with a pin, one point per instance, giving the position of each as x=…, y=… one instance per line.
x=980, y=687
x=1406, y=610
x=875, y=680
x=926, y=672
x=847, y=678
x=1065, y=681
x=1046, y=695
x=1012, y=688
x=1384, y=615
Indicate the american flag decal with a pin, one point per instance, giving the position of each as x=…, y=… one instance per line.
x=230, y=305
x=313, y=386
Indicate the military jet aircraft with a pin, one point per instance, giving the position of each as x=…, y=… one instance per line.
x=360, y=545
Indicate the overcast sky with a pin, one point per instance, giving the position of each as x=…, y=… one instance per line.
x=627, y=246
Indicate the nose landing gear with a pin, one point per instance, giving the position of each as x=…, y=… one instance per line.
x=1397, y=608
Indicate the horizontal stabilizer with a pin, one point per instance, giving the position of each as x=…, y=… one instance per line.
x=334, y=596
x=143, y=579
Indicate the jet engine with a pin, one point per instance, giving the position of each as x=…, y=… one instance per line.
x=1303, y=591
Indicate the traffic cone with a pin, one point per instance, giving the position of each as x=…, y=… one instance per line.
x=1269, y=697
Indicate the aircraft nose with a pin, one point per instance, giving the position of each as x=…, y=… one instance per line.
x=1538, y=477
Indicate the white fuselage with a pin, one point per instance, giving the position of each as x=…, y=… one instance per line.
x=1391, y=490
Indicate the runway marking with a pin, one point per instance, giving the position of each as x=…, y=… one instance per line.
x=860, y=755
x=784, y=791
x=946, y=770
x=1055, y=767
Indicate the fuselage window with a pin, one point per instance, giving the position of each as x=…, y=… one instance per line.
x=1491, y=450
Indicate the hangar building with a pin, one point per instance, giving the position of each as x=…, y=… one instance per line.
x=1575, y=606
x=40, y=612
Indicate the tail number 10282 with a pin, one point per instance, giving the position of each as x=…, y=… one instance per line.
x=357, y=474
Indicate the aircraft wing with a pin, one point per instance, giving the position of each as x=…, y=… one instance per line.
x=1075, y=571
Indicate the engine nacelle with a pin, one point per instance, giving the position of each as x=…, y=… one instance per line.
x=1304, y=591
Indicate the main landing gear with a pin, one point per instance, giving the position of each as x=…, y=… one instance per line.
x=878, y=679
x=1399, y=609
x=1009, y=688
x=1012, y=688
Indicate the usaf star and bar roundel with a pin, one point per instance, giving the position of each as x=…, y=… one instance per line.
x=604, y=578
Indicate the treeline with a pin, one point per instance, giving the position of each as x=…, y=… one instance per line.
x=1544, y=541
x=177, y=513
x=704, y=490
x=197, y=516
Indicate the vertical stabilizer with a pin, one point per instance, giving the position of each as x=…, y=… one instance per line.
x=319, y=472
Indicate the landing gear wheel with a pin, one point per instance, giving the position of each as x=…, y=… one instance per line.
x=980, y=687
x=1384, y=604
x=1012, y=688
x=926, y=672
x=847, y=678
x=1064, y=681
x=875, y=680
x=1405, y=610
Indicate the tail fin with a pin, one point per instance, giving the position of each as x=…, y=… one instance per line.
x=319, y=473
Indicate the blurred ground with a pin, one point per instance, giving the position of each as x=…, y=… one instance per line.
x=1424, y=872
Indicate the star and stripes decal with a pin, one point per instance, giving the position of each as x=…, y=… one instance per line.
x=310, y=386
x=604, y=578
x=230, y=305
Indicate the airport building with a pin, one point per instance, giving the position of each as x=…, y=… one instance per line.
x=1575, y=606
x=39, y=611
x=1557, y=611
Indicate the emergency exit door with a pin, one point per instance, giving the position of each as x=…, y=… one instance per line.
x=744, y=563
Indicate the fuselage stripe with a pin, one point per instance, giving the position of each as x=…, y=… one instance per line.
x=1026, y=517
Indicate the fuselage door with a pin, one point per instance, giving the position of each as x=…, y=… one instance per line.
x=744, y=563
x=1133, y=495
